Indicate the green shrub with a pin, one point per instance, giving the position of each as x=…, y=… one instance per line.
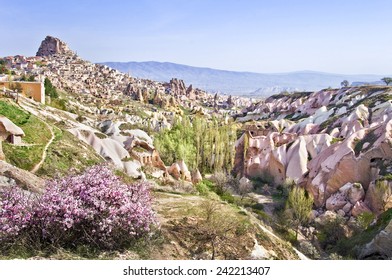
x=228, y=197
x=202, y=188
x=365, y=219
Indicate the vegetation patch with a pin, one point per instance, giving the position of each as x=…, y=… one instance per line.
x=369, y=138
x=329, y=124
x=36, y=136
x=65, y=153
x=88, y=212
x=349, y=247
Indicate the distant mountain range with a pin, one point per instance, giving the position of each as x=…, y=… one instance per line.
x=239, y=83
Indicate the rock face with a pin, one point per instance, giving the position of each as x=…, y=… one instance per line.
x=381, y=245
x=335, y=143
x=11, y=175
x=51, y=46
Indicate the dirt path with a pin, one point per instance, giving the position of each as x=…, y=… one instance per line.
x=44, y=153
x=25, y=103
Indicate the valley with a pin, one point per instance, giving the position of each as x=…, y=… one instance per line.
x=299, y=175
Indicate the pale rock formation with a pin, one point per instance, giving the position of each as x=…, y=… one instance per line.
x=357, y=120
x=179, y=170
x=190, y=93
x=355, y=193
x=177, y=87
x=11, y=176
x=196, y=176
x=359, y=208
x=338, y=164
x=52, y=46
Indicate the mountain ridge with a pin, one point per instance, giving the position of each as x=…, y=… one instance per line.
x=243, y=83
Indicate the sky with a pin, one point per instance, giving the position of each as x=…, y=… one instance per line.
x=265, y=36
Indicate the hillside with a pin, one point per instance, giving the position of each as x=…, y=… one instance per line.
x=228, y=178
x=237, y=83
x=75, y=130
x=335, y=143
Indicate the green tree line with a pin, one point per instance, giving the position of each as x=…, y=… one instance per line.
x=204, y=144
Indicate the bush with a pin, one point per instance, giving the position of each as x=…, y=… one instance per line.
x=15, y=212
x=221, y=182
x=93, y=208
x=365, y=219
x=331, y=232
x=228, y=197
x=202, y=188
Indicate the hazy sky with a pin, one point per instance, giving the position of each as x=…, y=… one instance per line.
x=340, y=36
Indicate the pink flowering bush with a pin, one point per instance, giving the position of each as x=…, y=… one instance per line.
x=92, y=208
x=15, y=212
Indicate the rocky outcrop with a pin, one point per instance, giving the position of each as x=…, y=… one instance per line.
x=335, y=143
x=379, y=196
x=11, y=175
x=53, y=46
x=179, y=170
x=177, y=87
x=196, y=176
x=352, y=160
x=380, y=246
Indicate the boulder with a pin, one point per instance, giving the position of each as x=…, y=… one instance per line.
x=196, y=176
x=326, y=217
x=347, y=208
x=355, y=193
x=341, y=213
x=336, y=201
x=380, y=245
x=359, y=208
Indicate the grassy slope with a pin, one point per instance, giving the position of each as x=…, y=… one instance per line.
x=64, y=153
x=36, y=136
x=182, y=215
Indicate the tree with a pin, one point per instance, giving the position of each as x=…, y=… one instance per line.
x=387, y=80
x=3, y=68
x=344, y=83
x=201, y=143
x=299, y=205
x=50, y=90
x=219, y=232
x=16, y=87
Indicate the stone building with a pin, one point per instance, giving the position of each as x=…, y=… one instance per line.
x=9, y=132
